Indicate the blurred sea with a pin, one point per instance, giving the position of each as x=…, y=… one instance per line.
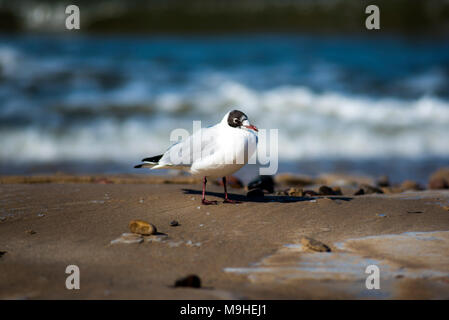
x=371, y=105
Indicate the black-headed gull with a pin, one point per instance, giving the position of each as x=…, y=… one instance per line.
x=216, y=151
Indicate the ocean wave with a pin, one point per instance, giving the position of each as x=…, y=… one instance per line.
x=94, y=99
x=310, y=125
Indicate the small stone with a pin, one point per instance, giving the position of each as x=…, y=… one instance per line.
x=382, y=215
x=383, y=182
x=255, y=193
x=337, y=191
x=294, y=192
x=262, y=182
x=359, y=192
x=191, y=281
x=128, y=238
x=2, y=253
x=174, y=223
x=390, y=190
x=326, y=191
x=30, y=232
x=310, y=193
x=40, y=215
x=410, y=185
x=370, y=189
x=314, y=245
x=142, y=227
x=439, y=179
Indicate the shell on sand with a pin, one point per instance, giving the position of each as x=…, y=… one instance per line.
x=142, y=227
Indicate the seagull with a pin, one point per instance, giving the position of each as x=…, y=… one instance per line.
x=212, y=152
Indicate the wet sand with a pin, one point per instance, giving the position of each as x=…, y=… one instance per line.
x=250, y=250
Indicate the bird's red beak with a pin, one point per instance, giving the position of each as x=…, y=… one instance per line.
x=251, y=127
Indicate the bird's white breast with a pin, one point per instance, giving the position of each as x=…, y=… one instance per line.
x=233, y=148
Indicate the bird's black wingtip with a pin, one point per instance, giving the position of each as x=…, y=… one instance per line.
x=154, y=159
x=138, y=166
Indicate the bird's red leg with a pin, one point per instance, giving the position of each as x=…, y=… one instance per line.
x=204, y=201
x=226, y=200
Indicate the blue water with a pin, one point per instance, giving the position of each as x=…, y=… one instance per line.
x=95, y=103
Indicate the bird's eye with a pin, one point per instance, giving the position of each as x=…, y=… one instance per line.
x=236, y=121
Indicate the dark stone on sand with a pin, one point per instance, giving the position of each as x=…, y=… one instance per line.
x=439, y=179
x=2, y=253
x=191, y=281
x=255, y=193
x=410, y=185
x=30, y=232
x=174, y=223
x=294, y=192
x=383, y=182
x=310, y=193
x=233, y=182
x=359, y=192
x=370, y=189
x=337, y=191
x=326, y=191
x=314, y=245
x=262, y=182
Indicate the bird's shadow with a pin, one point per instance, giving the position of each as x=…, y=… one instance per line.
x=266, y=198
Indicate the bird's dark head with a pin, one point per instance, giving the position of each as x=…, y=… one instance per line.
x=237, y=119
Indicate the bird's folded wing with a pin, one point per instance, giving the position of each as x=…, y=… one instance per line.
x=201, y=144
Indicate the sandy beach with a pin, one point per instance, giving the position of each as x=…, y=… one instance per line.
x=252, y=250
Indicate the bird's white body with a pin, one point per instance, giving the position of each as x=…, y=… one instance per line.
x=216, y=151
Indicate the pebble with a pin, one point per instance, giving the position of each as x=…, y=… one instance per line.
x=295, y=192
x=128, y=238
x=314, y=245
x=370, y=189
x=262, y=182
x=142, y=227
x=410, y=185
x=382, y=215
x=383, y=182
x=174, y=223
x=30, y=232
x=192, y=281
x=2, y=253
x=439, y=179
x=40, y=215
x=337, y=191
x=310, y=193
x=326, y=191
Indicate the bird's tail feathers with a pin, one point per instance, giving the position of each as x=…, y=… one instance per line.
x=149, y=162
